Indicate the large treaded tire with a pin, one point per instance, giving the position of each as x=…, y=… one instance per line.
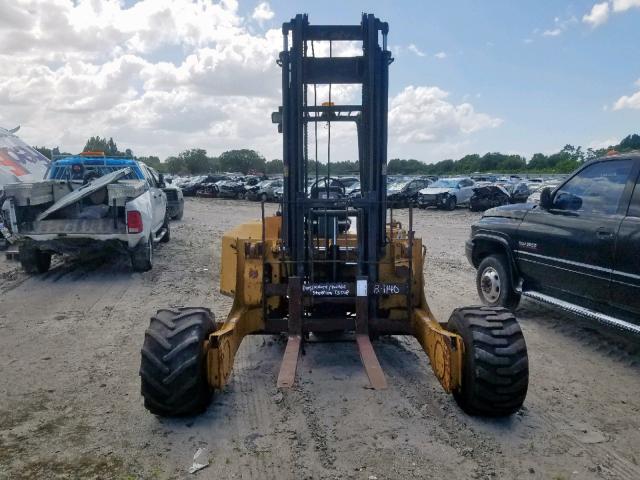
x=173, y=366
x=495, y=371
x=34, y=260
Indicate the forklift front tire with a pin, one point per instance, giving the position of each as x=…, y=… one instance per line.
x=495, y=368
x=173, y=365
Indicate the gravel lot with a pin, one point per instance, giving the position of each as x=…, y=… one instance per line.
x=70, y=405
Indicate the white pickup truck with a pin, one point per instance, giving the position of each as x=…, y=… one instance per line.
x=88, y=204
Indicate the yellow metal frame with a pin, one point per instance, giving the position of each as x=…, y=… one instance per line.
x=243, y=256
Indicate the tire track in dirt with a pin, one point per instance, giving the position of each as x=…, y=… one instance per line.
x=427, y=400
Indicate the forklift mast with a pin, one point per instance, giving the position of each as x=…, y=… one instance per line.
x=303, y=214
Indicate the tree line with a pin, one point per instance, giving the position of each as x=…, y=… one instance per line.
x=196, y=161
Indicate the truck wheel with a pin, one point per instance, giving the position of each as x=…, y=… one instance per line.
x=142, y=256
x=167, y=231
x=495, y=368
x=34, y=260
x=173, y=365
x=494, y=284
x=180, y=213
x=451, y=203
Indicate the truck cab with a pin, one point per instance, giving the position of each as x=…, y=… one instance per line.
x=578, y=249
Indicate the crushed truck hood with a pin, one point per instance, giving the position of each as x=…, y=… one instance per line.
x=85, y=191
x=434, y=191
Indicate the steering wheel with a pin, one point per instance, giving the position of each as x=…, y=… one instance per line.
x=335, y=186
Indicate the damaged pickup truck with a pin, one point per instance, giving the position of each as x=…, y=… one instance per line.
x=88, y=204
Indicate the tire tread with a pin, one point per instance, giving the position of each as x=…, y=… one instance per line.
x=496, y=366
x=173, y=362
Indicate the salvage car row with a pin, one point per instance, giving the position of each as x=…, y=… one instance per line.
x=477, y=192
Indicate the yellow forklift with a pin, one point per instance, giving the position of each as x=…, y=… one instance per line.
x=328, y=262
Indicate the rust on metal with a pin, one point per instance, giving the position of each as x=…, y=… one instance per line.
x=370, y=362
x=287, y=375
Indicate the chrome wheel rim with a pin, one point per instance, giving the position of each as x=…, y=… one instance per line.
x=490, y=285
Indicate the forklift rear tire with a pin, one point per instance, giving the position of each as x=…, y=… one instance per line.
x=34, y=260
x=495, y=368
x=173, y=365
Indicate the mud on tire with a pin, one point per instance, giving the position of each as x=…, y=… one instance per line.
x=173, y=367
x=34, y=260
x=142, y=256
x=495, y=371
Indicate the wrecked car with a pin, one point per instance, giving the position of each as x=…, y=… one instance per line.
x=230, y=188
x=403, y=194
x=264, y=191
x=488, y=196
x=446, y=193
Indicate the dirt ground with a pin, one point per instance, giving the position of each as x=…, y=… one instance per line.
x=70, y=405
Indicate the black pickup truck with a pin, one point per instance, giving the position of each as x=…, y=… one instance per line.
x=578, y=250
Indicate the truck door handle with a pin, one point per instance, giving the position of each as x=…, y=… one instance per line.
x=604, y=233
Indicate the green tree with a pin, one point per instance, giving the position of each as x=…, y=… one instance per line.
x=274, y=166
x=195, y=160
x=176, y=166
x=44, y=151
x=153, y=162
x=244, y=161
x=630, y=142
x=109, y=147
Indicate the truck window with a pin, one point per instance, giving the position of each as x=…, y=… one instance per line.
x=147, y=174
x=63, y=172
x=634, y=208
x=596, y=189
x=154, y=175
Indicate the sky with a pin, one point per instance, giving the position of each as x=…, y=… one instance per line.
x=161, y=76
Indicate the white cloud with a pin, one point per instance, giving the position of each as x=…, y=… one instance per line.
x=552, y=33
x=440, y=55
x=422, y=114
x=263, y=12
x=598, y=144
x=560, y=26
x=599, y=14
x=414, y=49
x=629, y=101
x=161, y=76
x=624, y=5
